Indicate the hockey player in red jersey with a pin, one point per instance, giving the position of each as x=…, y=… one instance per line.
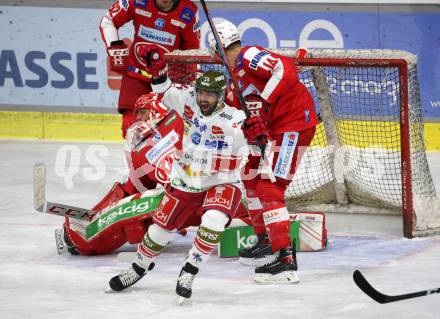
x=151, y=145
x=283, y=113
x=204, y=188
x=166, y=25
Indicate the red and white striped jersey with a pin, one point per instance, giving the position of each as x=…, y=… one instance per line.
x=175, y=29
x=214, y=147
x=275, y=79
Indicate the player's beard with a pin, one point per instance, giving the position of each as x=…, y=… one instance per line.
x=206, y=108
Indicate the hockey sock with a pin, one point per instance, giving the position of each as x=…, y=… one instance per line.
x=155, y=240
x=255, y=209
x=208, y=236
x=278, y=227
x=256, y=214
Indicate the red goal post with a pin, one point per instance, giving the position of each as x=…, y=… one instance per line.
x=368, y=155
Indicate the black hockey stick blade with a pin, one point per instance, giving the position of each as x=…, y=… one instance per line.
x=365, y=286
x=43, y=206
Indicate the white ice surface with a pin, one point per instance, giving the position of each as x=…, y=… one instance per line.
x=35, y=282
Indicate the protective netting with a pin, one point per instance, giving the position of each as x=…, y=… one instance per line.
x=355, y=157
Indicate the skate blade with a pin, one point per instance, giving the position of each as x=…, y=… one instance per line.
x=109, y=290
x=182, y=300
x=61, y=248
x=286, y=277
x=253, y=262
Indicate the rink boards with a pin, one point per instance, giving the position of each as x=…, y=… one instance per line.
x=106, y=127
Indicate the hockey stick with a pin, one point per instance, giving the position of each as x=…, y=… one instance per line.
x=42, y=205
x=365, y=286
x=222, y=54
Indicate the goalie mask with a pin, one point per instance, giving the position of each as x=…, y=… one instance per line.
x=149, y=108
x=210, y=89
x=228, y=34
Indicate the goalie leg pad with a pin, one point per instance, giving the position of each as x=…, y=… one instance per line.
x=116, y=193
x=81, y=245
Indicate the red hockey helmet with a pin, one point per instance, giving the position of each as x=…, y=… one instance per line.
x=152, y=103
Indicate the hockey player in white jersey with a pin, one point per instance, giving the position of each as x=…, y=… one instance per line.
x=204, y=188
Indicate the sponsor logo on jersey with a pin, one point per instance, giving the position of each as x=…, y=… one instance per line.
x=202, y=127
x=144, y=13
x=156, y=36
x=240, y=84
x=307, y=115
x=196, y=26
x=157, y=137
x=240, y=60
x=272, y=216
x=285, y=157
x=216, y=134
x=226, y=116
x=197, y=160
x=162, y=147
x=216, y=144
x=124, y=4
x=141, y=3
x=188, y=114
x=160, y=23
x=186, y=14
x=256, y=59
x=178, y=23
x=220, y=195
x=217, y=130
x=171, y=120
x=196, y=138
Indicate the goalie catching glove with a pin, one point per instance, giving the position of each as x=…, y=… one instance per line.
x=152, y=63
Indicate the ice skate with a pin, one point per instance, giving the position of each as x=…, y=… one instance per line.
x=256, y=254
x=63, y=243
x=282, y=269
x=129, y=277
x=185, y=281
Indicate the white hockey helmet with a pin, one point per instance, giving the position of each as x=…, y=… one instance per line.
x=227, y=32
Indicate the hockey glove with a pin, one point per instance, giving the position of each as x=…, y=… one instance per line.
x=118, y=53
x=258, y=106
x=255, y=131
x=154, y=60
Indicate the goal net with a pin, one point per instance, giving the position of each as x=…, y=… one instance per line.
x=368, y=154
